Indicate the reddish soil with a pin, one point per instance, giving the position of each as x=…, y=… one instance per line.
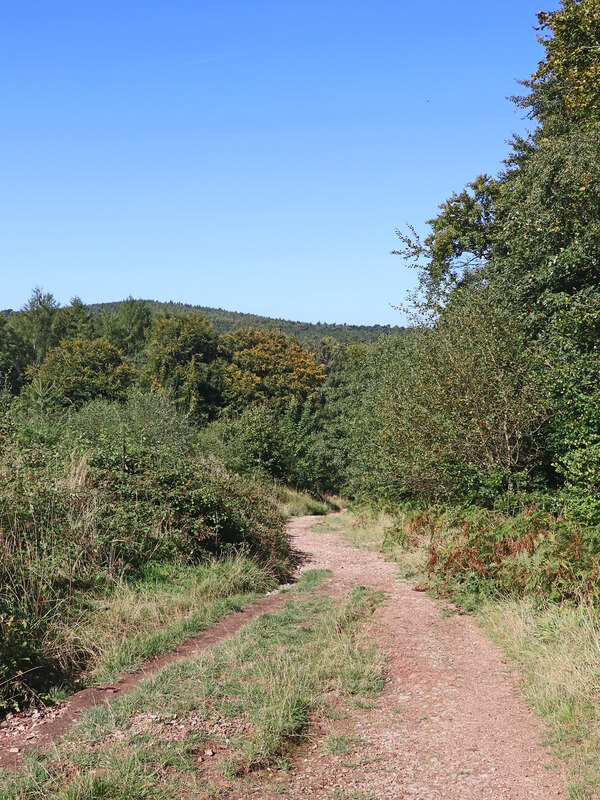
x=450, y=724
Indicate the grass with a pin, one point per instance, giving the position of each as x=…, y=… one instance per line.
x=244, y=699
x=558, y=651
x=341, y=744
x=173, y=601
x=311, y=579
x=293, y=503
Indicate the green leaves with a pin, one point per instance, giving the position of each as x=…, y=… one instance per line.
x=567, y=81
x=79, y=370
x=459, y=242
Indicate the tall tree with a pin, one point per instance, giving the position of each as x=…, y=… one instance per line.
x=183, y=358
x=34, y=323
x=271, y=367
x=129, y=326
x=566, y=84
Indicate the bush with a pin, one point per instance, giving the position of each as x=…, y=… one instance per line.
x=79, y=370
x=122, y=487
x=284, y=444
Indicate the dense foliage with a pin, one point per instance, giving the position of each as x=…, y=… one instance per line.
x=500, y=403
x=90, y=497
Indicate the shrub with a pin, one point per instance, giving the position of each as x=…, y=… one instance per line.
x=80, y=370
x=122, y=487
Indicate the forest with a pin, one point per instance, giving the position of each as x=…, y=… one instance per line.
x=139, y=438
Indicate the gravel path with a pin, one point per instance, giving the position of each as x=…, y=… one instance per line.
x=450, y=724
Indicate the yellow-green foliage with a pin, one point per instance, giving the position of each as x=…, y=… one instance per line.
x=182, y=358
x=571, y=66
x=79, y=370
x=269, y=366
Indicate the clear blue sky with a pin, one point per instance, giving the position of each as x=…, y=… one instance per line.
x=255, y=155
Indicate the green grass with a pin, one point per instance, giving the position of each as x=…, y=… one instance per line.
x=341, y=744
x=293, y=503
x=311, y=579
x=173, y=601
x=247, y=698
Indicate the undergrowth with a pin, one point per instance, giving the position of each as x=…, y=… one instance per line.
x=295, y=503
x=479, y=553
x=92, y=500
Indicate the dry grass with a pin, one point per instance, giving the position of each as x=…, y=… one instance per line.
x=114, y=634
x=558, y=651
x=293, y=503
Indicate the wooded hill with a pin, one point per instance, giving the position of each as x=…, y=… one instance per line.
x=483, y=419
x=224, y=321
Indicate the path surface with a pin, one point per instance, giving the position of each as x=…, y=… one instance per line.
x=450, y=724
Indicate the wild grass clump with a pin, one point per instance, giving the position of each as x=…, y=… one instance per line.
x=294, y=503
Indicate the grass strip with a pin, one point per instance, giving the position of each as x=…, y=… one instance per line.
x=115, y=634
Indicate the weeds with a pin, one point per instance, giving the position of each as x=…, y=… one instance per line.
x=340, y=744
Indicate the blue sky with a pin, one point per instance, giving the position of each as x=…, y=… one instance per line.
x=253, y=155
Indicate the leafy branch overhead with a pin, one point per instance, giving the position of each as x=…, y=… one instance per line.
x=459, y=242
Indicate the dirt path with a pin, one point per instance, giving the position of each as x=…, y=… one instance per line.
x=450, y=724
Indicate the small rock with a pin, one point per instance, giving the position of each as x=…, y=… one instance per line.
x=209, y=752
x=14, y=750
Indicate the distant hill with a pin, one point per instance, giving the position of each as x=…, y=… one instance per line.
x=225, y=321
